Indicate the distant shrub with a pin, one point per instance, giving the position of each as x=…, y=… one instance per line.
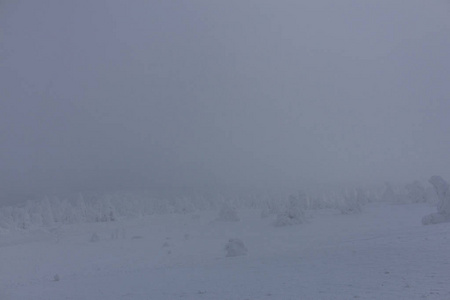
x=416, y=192
x=270, y=208
x=351, y=203
x=228, y=214
x=435, y=218
x=235, y=247
x=293, y=214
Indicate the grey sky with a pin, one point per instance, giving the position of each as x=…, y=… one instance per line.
x=203, y=93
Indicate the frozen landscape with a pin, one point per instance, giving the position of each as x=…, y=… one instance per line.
x=196, y=248
x=224, y=150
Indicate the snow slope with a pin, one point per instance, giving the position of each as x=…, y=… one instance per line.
x=382, y=253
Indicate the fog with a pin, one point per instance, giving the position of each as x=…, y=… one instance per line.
x=205, y=94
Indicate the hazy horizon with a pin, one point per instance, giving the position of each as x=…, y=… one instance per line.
x=150, y=94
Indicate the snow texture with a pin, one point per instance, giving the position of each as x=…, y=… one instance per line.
x=381, y=254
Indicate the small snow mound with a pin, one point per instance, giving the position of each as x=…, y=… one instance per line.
x=228, y=214
x=235, y=247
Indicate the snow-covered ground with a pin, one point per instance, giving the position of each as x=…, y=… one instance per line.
x=382, y=253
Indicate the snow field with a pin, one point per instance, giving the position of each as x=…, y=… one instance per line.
x=382, y=253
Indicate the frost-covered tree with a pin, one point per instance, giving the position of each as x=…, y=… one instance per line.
x=431, y=196
x=443, y=193
x=416, y=192
x=351, y=203
x=388, y=194
x=107, y=210
x=47, y=213
x=292, y=215
x=361, y=196
x=24, y=219
x=81, y=209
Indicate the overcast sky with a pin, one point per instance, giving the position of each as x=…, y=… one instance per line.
x=126, y=94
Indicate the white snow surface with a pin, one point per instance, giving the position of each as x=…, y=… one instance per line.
x=382, y=253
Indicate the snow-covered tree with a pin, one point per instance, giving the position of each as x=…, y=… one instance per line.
x=292, y=215
x=388, y=194
x=443, y=193
x=351, y=203
x=47, y=213
x=416, y=192
x=81, y=209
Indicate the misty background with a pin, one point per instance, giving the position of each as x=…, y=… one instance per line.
x=104, y=95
